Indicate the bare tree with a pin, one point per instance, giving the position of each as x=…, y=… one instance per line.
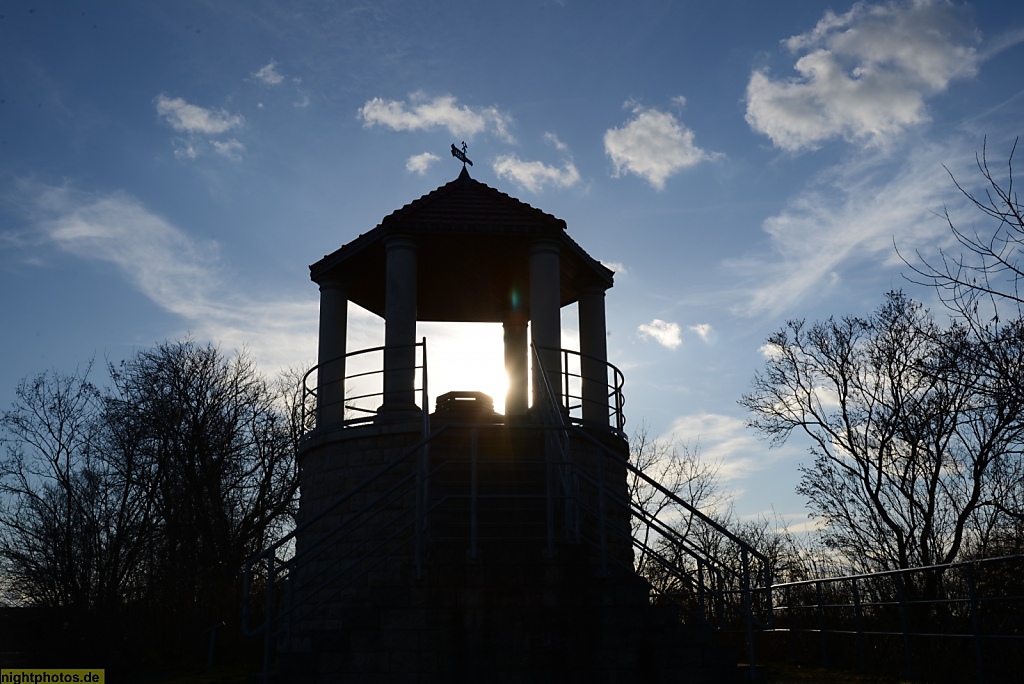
x=147, y=497
x=47, y=481
x=988, y=268
x=679, y=469
x=914, y=438
x=219, y=454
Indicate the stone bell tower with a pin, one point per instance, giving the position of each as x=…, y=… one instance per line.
x=453, y=543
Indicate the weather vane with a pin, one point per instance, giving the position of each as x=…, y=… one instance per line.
x=461, y=154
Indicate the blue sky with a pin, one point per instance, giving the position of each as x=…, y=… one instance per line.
x=172, y=168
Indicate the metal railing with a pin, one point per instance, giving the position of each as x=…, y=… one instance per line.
x=951, y=622
x=571, y=387
x=708, y=590
x=362, y=388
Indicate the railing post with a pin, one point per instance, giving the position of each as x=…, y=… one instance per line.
x=701, y=591
x=908, y=665
x=821, y=625
x=268, y=621
x=972, y=593
x=858, y=626
x=425, y=395
x=565, y=378
x=422, y=474
x=601, y=514
x=474, y=549
x=720, y=598
x=549, y=472
x=789, y=619
x=752, y=670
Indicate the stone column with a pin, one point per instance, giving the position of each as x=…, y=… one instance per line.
x=517, y=364
x=330, y=397
x=593, y=357
x=545, y=317
x=400, y=326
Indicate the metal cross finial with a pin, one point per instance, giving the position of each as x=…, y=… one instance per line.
x=461, y=154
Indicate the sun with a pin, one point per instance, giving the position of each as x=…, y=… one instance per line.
x=465, y=357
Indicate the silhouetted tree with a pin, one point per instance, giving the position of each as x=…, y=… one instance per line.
x=218, y=453
x=983, y=281
x=679, y=469
x=915, y=439
x=51, y=508
x=148, y=496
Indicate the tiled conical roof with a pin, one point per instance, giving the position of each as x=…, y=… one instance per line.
x=473, y=247
x=468, y=204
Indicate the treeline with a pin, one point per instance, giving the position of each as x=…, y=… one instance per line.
x=127, y=510
x=914, y=419
x=915, y=422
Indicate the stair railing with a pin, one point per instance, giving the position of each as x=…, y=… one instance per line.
x=741, y=579
x=557, y=456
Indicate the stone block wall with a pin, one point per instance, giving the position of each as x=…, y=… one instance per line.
x=506, y=610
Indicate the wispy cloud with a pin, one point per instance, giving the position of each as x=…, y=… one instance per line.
x=864, y=75
x=189, y=118
x=199, y=126
x=180, y=274
x=268, y=75
x=848, y=217
x=664, y=333
x=535, y=175
x=419, y=163
x=704, y=331
x=232, y=149
x=421, y=113
x=653, y=145
x=724, y=440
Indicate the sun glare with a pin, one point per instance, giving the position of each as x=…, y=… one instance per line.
x=465, y=357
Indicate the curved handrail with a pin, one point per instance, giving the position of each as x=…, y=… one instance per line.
x=573, y=401
x=571, y=378
x=310, y=405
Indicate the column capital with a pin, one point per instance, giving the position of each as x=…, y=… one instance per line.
x=334, y=284
x=592, y=288
x=544, y=245
x=400, y=241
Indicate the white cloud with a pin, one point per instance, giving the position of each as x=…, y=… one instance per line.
x=269, y=75
x=534, y=175
x=553, y=140
x=441, y=112
x=232, y=149
x=664, y=333
x=419, y=163
x=703, y=330
x=188, y=118
x=863, y=75
x=184, y=149
x=654, y=146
